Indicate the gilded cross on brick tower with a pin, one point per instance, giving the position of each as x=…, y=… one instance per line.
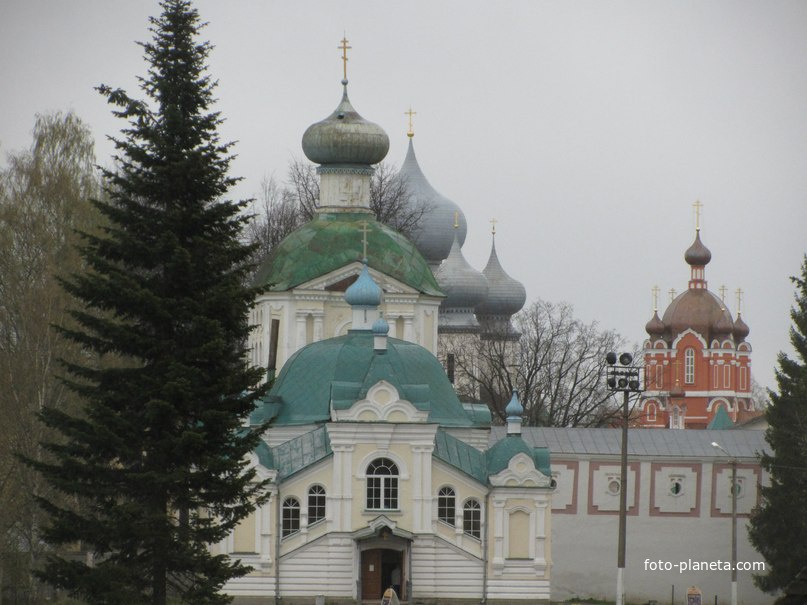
x=655, y=298
x=364, y=230
x=697, y=206
x=410, y=133
x=739, y=293
x=344, y=48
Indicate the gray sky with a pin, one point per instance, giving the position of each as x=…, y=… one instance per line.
x=587, y=129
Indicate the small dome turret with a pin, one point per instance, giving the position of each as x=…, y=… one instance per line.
x=465, y=288
x=697, y=255
x=655, y=327
x=363, y=292
x=741, y=329
x=724, y=325
x=506, y=296
x=344, y=137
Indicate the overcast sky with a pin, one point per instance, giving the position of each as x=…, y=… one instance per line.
x=587, y=129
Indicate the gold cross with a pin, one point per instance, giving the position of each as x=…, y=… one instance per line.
x=672, y=294
x=410, y=133
x=655, y=298
x=344, y=48
x=739, y=293
x=723, y=290
x=697, y=205
x=364, y=229
x=493, y=222
x=456, y=220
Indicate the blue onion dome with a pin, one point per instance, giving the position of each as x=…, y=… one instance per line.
x=464, y=286
x=741, y=329
x=363, y=292
x=344, y=137
x=514, y=408
x=655, y=327
x=697, y=255
x=434, y=236
x=506, y=296
x=380, y=327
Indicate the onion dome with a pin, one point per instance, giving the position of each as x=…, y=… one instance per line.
x=654, y=327
x=435, y=234
x=741, y=329
x=724, y=326
x=344, y=137
x=696, y=309
x=506, y=296
x=464, y=287
x=514, y=407
x=697, y=255
x=380, y=327
x=363, y=292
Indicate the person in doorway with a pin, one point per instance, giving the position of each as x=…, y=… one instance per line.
x=395, y=579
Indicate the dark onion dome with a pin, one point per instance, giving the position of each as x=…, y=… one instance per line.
x=697, y=255
x=337, y=372
x=724, y=326
x=464, y=286
x=344, y=137
x=654, y=327
x=363, y=292
x=436, y=231
x=506, y=296
x=331, y=241
x=741, y=329
x=696, y=308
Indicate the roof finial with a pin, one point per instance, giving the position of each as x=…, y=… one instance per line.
x=697, y=206
x=410, y=133
x=655, y=298
x=344, y=48
x=723, y=289
x=364, y=230
x=493, y=222
x=739, y=293
x=672, y=294
x=456, y=220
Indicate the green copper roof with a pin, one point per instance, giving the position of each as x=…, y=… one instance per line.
x=499, y=456
x=339, y=371
x=333, y=240
x=721, y=420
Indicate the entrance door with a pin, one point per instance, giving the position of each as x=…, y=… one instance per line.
x=380, y=569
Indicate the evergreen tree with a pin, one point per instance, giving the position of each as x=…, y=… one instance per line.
x=155, y=463
x=778, y=527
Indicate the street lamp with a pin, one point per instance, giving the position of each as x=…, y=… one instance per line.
x=733, y=460
x=625, y=378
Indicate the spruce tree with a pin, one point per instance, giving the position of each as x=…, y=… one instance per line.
x=155, y=464
x=778, y=526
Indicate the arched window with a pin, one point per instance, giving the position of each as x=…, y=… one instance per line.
x=382, y=485
x=316, y=504
x=689, y=366
x=291, y=516
x=445, y=505
x=472, y=519
x=651, y=412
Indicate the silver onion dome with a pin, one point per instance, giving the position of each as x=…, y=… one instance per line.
x=465, y=288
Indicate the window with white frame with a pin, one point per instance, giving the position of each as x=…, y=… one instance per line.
x=382, y=485
x=689, y=366
x=290, y=516
x=472, y=519
x=446, y=502
x=316, y=504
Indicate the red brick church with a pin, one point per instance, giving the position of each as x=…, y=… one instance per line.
x=696, y=357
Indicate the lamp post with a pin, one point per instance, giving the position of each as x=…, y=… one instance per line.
x=733, y=460
x=625, y=378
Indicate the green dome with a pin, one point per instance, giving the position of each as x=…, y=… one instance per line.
x=340, y=371
x=333, y=240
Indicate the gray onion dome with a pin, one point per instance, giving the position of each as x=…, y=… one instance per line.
x=464, y=287
x=697, y=255
x=506, y=296
x=436, y=232
x=655, y=327
x=344, y=137
x=741, y=329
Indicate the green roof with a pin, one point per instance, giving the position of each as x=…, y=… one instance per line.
x=333, y=240
x=339, y=371
x=721, y=420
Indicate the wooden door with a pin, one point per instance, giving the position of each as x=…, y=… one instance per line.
x=371, y=588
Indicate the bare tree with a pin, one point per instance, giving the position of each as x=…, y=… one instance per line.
x=44, y=199
x=276, y=213
x=557, y=366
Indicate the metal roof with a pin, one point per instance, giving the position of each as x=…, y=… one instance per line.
x=652, y=443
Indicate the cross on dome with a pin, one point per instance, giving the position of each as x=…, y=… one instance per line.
x=410, y=133
x=343, y=46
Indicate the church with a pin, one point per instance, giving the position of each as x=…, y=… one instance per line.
x=379, y=475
